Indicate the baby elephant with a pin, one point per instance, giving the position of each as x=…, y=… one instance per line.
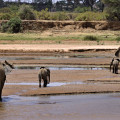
x=44, y=74
x=115, y=64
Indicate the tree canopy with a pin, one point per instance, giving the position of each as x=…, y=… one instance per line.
x=1, y=3
x=113, y=9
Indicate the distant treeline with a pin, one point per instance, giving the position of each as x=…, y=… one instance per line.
x=61, y=5
x=79, y=10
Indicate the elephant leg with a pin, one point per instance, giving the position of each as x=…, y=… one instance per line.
x=1, y=87
x=39, y=80
x=45, y=83
x=0, y=95
x=116, y=70
x=113, y=70
x=48, y=79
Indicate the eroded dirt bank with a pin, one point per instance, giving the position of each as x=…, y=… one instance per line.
x=68, y=25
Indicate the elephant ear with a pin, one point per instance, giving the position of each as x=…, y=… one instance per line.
x=117, y=52
x=9, y=64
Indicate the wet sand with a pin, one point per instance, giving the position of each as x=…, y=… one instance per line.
x=94, y=81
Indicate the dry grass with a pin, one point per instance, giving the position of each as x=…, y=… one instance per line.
x=61, y=36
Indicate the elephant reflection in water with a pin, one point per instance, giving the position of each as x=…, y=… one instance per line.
x=44, y=74
x=115, y=64
x=4, y=67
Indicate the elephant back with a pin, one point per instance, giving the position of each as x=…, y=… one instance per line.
x=115, y=62
x=43, y=72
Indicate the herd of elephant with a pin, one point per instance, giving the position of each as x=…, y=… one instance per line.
x=5, y=66
x=44, y=73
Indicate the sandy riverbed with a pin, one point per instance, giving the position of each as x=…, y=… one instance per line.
x=94, y=81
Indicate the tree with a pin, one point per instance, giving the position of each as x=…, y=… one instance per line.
x=100, y=5
x=113, y=9
x=1, y=3
x=49, y=5
x=26, y=13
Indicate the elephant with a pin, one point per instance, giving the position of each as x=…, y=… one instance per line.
x=117, y=53
x=44, y=74
x=4, y=66
x=115, y=64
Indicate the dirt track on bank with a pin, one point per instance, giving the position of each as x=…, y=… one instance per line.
x=55, y=48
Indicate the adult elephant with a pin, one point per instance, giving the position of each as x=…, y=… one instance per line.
x=44, y=74
x=4, y=67
x=115, y=64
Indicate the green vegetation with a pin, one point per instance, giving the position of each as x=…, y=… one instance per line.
x=118, y=39
x=39, y=38
x=113, y=9
x=91, y=38
x=90, y=16
x=81, y=9
x=25, y=12
x=12, y=26
x=61, y=10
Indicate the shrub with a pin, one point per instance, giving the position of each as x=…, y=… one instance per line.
x=26, y=13
x=113, y=9
x=81, y=9
x=4, y=27
x=5, y=16
x=118, y=39
x=91, y=38
x=60, y=16
x=88, y=16
x=44, y=15
x=5, y=10
x=12, y=26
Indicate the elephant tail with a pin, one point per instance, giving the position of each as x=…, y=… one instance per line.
x=111, y=63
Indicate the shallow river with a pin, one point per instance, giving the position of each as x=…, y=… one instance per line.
x=64, y=107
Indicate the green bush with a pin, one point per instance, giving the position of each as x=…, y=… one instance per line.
x=4, y=27
x=5, y=16
x=118, y=39
x=12, y=26
x=26, y=13
x=81, y=9
x=60, y=16
x=5, y=10
x=91, y=38
x=113, y=9
x=44, y=15
x=90, y=16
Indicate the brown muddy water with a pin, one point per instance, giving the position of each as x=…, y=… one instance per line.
x=63, y=107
